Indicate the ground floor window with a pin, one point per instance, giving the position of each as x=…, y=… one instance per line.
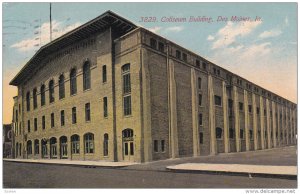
x=36, y=147
x=63, y=146
x=75, y=144
x=53, y=147
x=89, y=143
x=29, y=147
x=44, y=148
x=105, y=145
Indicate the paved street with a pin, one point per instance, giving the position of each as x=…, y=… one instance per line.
x=151, y=175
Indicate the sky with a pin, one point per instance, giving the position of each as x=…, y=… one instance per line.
x=263, y=51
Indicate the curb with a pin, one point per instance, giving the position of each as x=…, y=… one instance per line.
x=250, y=175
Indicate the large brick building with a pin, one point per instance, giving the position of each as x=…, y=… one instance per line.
x=110, y=90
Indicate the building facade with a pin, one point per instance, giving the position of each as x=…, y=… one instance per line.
x=110, y=90
x=7, y=141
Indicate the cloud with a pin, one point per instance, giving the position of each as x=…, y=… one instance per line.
x=229, y=33
x=155, y=29
x=270, y=33
x=174, y=29
x=210, y=37
x=32, y=43
x=286, y=21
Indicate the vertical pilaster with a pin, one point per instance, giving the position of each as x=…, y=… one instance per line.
x=268, y=123
x=278, y=125
x=274, y=124
x=295, y=126
x=225, y=118
x=69, y=148
x=262, y=122
x=195, y=112
x=290, y=126
x=283, y=126
x=173, y=112
x=254, y=122
x=211, y=118
x=48, y=149
x=236, y=119
x=246, y=120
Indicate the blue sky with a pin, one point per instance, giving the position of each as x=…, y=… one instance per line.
x=264, y=52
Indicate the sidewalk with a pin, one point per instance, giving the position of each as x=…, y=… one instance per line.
x=74, y=162
x=238, y=169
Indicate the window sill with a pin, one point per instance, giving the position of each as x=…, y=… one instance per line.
x=86, y=90
x=88, y=154
x=75, y=154
x=73, y=94
x=220, y=106
x=61, y=99
x=127, y=116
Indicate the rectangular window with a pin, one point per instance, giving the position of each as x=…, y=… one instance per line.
x=241, y=106
x=201, y=137
x=126, y=83
x=131, y=149
x=250, y=108
x=178, y=54
x=162, y=145
x=28, y=126
x=251, y=134
x=52, y=120
x=62, y=118
x=204, y=66
x=155, y=146
x=74, y=115
x=200, y=119
x=127, y=105
x=241, y=133
x=198, y=63
x=231, y=133
x=161, y=47
x=218, y=100
x=184, y=56
x=43, y=122
x=200, y=99
x=105, y=112
x=199, y=83
x=153, y=43
x=87, y=112
x=104, y=74
x=35, y=124
x=257, y=110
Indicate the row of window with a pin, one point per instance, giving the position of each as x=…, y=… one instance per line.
x=62, y=116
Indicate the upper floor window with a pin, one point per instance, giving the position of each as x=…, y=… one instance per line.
x=127, y=105
x=218, y=100
x=51, y=91
x=250, y=108
x=73, y=82
x=126, y=78
x=86, y=76
x=199, y=83
x=200, y=99
x=62, y=118
x=104, y=74
x=43, y=122
x=43, y=95
x=178, y=54
x=87, y=112
x=105, y=145
x=28, y=101
x=184, y=56
x=153, y=43
x=34, y=93
x=204, y=66
x=231, y=133
x=74, y=119
x=200, y=119
x=241, y=133
x=28, y=126
x=61, y=85
x=241, y=106
x=161, y=47
x=35, y=124
x=52, y=120
x=198, y=63
x=105, y=112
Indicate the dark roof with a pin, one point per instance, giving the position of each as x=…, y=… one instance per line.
x=98, y=24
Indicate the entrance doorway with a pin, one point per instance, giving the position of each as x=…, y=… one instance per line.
x=128, y=145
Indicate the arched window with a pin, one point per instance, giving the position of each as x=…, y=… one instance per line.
x=73, y=82
x=34, y=98
x=29, y=147
x=105, y=145
x=42, y=95
x=28, y=101
x=61, y=85
x=51, y=91
x=63, y=147
x=127, y=133
x=86, y=76
x=89, y=143
x=218, y=133
x=36, y=147
x=53, y=147
x=75, y=144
